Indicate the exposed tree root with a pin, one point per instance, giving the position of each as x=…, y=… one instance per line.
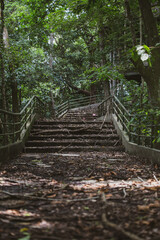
x=107, y=223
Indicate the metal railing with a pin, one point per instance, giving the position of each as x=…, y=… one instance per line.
x=75, y=103
x=13, y=125
x=141, y=129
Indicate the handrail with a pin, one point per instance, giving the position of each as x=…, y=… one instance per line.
x=122, y=106
x=13, y=125
x=75, y=103
x=144, y=130
x=87, y=97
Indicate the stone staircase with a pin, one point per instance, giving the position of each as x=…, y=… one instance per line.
x=78, y=131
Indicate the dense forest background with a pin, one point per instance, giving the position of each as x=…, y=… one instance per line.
x=57, y=49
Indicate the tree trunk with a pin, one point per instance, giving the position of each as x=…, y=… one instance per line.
x=81, y=91
x=20, y=97
x=2, y=50
x=93, y=87
x=15, y=100
x=149, y=22
x=51, y=67
x=52, y=104
x=91, y=50
x=141, y=31
x=151, y=75
x=129, y=15
x=106, y=89
x=2, y=71
x=106, y=85
x=102, y=44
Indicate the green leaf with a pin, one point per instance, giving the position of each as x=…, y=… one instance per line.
x=135, y=56
x=25, y=238
x=147, y=49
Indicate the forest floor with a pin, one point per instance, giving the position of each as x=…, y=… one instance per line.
x=89, y=196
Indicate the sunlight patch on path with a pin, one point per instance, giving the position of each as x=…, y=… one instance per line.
x=150, y=184
x=18, y=213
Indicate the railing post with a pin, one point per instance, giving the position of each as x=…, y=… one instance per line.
x=14, y=129
x=130, y=129
x=152, y=130
x=5, y=129
x=139, y=130
x=113, y=106
x=68, y=105
x=25, y=118
x=19, y=126
x=30, y=111
x=99, y=111
x=102, y=109
x=117, y=113
x=123, y=118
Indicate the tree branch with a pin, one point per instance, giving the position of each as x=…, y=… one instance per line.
x=82, y=91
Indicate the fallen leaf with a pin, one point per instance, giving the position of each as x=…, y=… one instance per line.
x=24, y=230
x=156, y=166
x=156, y=204
x=152, y=188
x=143, y=207
x=52, y=196
x=114, y=173
x=43, y=224
x=144, y=222
x=108, y=196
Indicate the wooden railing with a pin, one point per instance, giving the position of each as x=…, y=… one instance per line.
x=13, y=125
x=141, y=129
x=75, y=103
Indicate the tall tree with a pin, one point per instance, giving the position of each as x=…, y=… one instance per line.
x=130, y=18
x=149, y=22
x=150, y=72
x=2, y=52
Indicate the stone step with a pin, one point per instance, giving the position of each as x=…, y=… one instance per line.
x=63, y=126
x=81, y=114
x=72, y=149
x=76, y=132
x=72, y=142
x=57, y=122
x=73, y=132
x=80, y=119
x=61, y=136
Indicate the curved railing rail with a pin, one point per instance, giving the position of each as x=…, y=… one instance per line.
x=13, y=125
x=141, y=129
x=75, y=103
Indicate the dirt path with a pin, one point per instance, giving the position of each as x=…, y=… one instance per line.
x=85, y=196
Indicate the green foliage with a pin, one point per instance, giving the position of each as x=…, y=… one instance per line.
x=75, y=26
x=103, y=73
x=84, y=33
x=136, y=100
